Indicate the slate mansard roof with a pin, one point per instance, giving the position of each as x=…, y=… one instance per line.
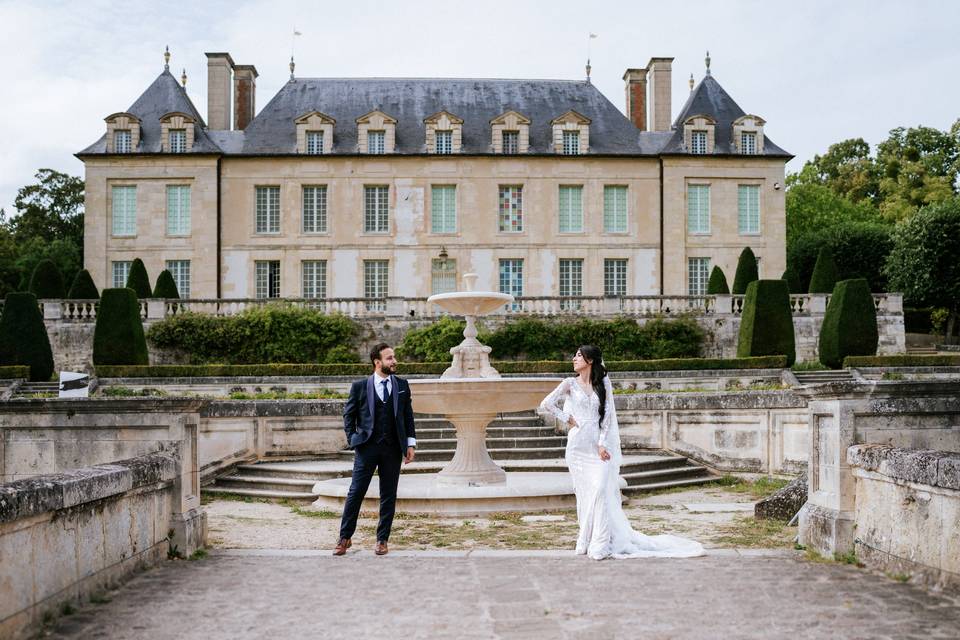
x=411, y=100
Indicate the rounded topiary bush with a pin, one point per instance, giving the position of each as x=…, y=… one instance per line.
x=792, y=279
x=850, y=324
x=825, y=273
x=138, y=280
x=47, y=281
x=118, y=337
x=23, y=336
x=166, y=287
x=83, y=287
x=766, y=326
x=746, y=271
x=718, y=282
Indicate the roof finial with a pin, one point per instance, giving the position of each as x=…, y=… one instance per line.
x=590, y=37
x=183, y=78
x=707, y=60
x=292, y=67
x=588, y=70
x=691, y=83
x=166, y=59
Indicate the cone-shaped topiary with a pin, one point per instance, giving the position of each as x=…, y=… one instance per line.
x=138, y=280
x=83, y=287
x=24, y=285
x=165, y=287
x=793, y=280
x=746, y=271
x=23, y=336
x=766, y=326
x=118, y=337
x=850, y=324
x=718, y=282
x=47, y=281
x=825, y=273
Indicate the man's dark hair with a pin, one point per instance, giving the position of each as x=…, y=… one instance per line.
x=375, y=351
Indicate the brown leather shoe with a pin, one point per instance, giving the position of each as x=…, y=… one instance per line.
x=381, y=549
x=342, y=545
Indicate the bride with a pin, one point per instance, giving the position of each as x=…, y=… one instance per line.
x=593, y=456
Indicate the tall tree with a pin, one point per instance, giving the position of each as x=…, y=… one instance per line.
x=51, y=209
x=846, y=169
x=919, y=166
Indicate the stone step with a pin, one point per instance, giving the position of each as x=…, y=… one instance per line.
x=659, y=462
x=440, y=423
x=437, y=433
x=494, y=443
x=644, y=478
x=295, y=496
x=497, y=454
x=265, y=483
x=669, y=484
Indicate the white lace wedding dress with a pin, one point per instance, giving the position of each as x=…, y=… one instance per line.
x=604, y=528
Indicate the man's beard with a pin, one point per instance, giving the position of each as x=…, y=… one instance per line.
x=389, y=371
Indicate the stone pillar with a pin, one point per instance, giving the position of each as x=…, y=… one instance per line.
x=52, y=310
x=244, y=95
x=156, y=308
x=660, y=72
x=818, y=303
x=636, y=90
x=219, y=85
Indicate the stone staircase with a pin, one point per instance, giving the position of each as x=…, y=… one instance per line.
x=519, y=443
x=37, y=390
x=825, y=376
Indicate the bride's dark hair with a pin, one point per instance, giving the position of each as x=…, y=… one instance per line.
x=597, y=373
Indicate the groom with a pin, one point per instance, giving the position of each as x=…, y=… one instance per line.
x=378, y=420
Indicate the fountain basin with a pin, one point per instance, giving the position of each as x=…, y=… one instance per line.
x=471, y=303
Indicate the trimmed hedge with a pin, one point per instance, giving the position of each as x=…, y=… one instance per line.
x=747, y=271
x=47, y=281
x=166, y=287
x=766, y=326
x=83, y=287
x=118, y=336
x=138, y=280
x=902, y=361
x=793, y=280
x=428, y=368
x=825, y=273
x=850, y=324
x=23, y=336
x=12, y=372
x=718, y=282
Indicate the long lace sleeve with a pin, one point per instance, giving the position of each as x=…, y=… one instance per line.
x=609, y=424
x=549, y=404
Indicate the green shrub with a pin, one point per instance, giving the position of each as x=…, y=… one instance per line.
x=166, y=287
x=859, y=249
x=793, y=281
x=766, y=327
x=433, y=342
x=902, y=361
x=850, y=324
x=13, y=372
x=746, y=271
x=83, y=287
x=342, y=354
x=825, y=273
x=118, y=336
x=23, y=336
x=138, y=280
x=271, y=333
x=718, y=282
x=47, y=281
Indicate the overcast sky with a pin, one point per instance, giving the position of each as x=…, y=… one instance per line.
x=817, y=71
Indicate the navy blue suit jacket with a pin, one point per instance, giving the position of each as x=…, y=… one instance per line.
x=358, y=411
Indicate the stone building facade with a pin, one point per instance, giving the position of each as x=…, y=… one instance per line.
x=368, y=188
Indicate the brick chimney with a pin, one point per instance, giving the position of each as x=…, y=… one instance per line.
x=659, y=71
x=219, y=85
x=244, y=95
x=636, y=88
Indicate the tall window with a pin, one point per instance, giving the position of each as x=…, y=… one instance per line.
x=180, y=270
x=178, y=140
x=314, y=210
x=315, y=142
x=121, y=269
x=571, y=143
x=571, y=209
x=698, y=274
x=124, y=210
x=444, y=141
x=122, y=141
x=614, y=277
x=376, y=217
x=614, y=209
x=375, y=281
x=748, y=143
x=698, y=208
x=511, y=279
x=511, y=142
x=748, y=208
x=268, y=278
x=268, y=210
x=376, y=142
x=698, y=142
x=443, y=276
x=571, y=282
x=511, y=209
x=178, y=210
x=443, y=209
x=313, y=278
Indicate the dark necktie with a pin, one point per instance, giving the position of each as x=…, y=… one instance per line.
x=384, y=383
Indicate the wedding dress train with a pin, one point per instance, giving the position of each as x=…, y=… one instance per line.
x=604, y=528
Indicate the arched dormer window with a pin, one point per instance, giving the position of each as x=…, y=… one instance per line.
x=314, y=133
x=376, y=133
x=444, y=133
x=699, y=134
x=510, y=133
x=571, y=133
x=748, y=134
x=176, y=132
x=123, y=133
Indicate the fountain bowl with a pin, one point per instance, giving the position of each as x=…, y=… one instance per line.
x=471, y=303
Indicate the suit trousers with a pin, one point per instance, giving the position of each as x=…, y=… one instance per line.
x=385, y=459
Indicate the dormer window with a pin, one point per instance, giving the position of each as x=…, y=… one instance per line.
x=376, y=133
x=443, y=133
x=571, y=143
x=444, y=142
x=571, y=133
x=314, y=143
x=511, y=142
x=176, y=132
x=178, y=140
x=698, y=142
x=511, y=133
x=121, y=141
x=123, y=133
x=748, y=134
x=748, y=143
x=376, y=142
x=314, y=133
x=699, y=134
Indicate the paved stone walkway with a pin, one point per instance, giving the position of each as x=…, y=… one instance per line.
x=245, y=594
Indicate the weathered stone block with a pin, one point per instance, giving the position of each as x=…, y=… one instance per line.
x=785, y=503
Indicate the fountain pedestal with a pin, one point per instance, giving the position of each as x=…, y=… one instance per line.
x=471, y=464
